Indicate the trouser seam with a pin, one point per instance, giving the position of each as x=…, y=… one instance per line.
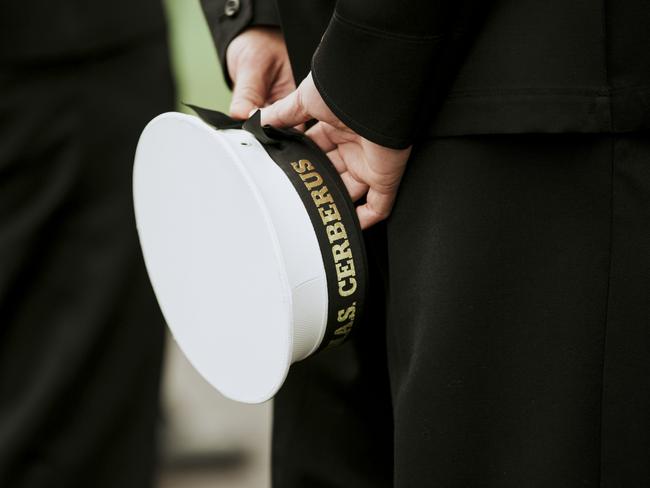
x=607, y=304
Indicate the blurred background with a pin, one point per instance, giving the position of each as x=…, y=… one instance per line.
x=207, y=440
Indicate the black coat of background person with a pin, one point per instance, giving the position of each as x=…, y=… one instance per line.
x=80, y=332
x=506, y=342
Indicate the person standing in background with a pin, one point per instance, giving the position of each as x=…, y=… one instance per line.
x=506, y=341
x=81, y=335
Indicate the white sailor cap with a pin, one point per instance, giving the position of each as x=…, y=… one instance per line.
x=252, y=246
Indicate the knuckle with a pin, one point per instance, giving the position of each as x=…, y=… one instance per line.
x=299, y=107
x=248, y=97
x=383, y=214
x=380, y=213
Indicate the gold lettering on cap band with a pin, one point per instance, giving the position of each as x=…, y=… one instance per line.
x=341, y=252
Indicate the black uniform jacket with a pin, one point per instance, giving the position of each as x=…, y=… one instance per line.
x=394, y=70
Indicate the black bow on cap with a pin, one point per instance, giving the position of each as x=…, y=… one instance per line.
x=264, y=134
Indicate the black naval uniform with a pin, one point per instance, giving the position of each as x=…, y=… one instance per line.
x=507, y=338
x=80, y=332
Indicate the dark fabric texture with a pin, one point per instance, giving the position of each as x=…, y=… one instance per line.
x=80, y=332
x=511, y=288
x=400, y=72
x=43, y=30
x=380, y=68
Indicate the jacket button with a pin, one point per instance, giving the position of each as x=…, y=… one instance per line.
x=231, y=7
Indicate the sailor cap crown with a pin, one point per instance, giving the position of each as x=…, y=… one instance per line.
x=252, y=246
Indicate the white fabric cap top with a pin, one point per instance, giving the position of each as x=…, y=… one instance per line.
x=231, y=253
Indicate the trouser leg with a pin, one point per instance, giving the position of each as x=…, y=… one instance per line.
x=499, y=328
x=80, y=332
x=626, y=375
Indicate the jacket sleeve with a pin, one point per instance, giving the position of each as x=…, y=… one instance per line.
x=383, y=65
x=227, y=18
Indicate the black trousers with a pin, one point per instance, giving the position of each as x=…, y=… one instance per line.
x=508, y=339
x=80, y=332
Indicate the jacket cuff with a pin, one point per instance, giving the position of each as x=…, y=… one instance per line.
x=375, y=81
x=228, y=18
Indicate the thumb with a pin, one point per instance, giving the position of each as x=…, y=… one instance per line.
x=249, y=93
x=286, y=112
